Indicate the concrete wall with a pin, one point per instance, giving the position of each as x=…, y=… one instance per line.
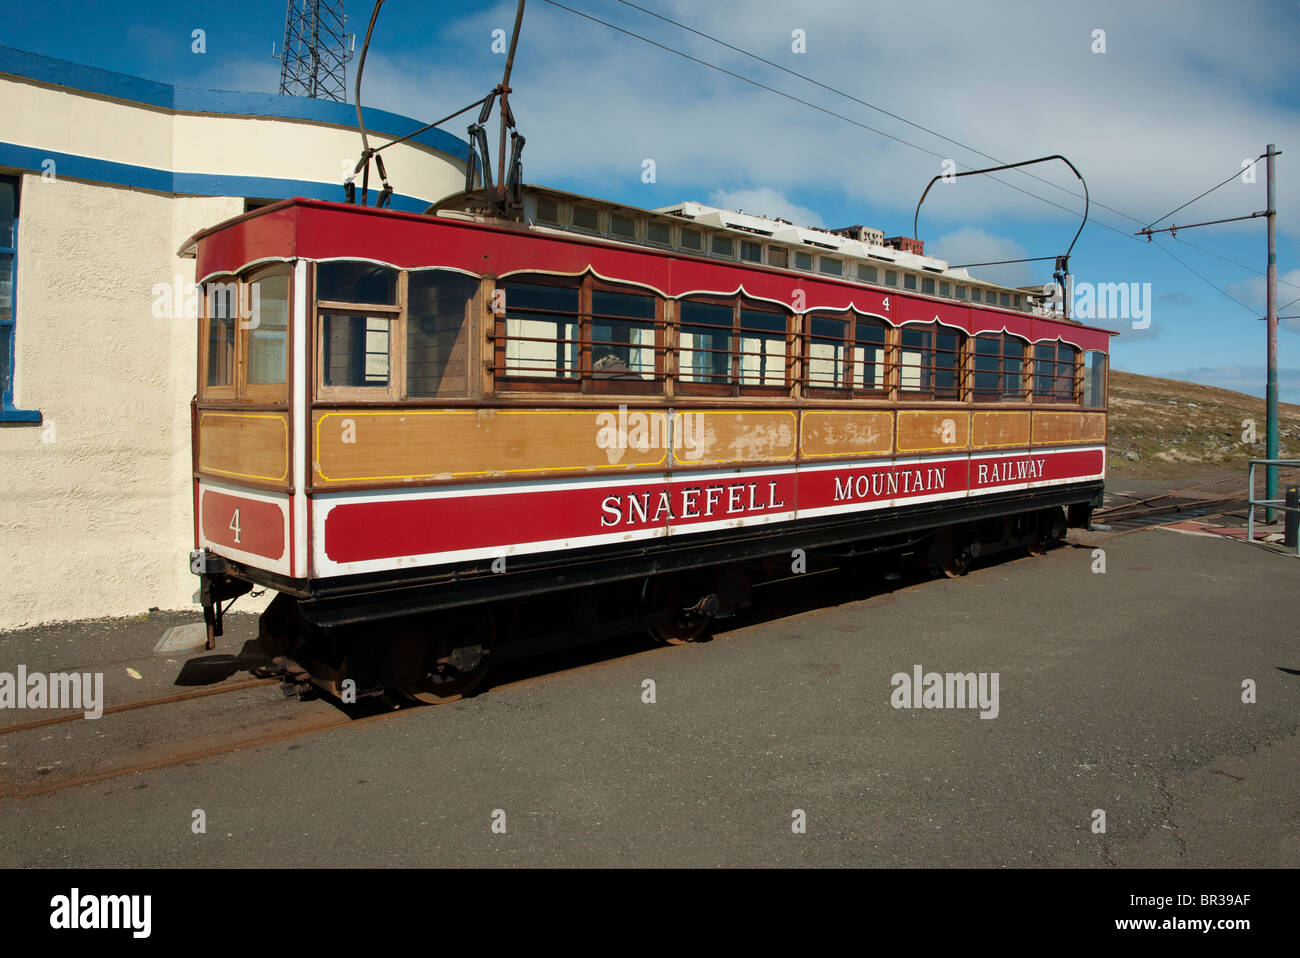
x=97, y=518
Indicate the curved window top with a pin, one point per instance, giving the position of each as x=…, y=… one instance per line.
x=354, y=281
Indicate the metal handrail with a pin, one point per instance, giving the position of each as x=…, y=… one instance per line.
x=1267, y=503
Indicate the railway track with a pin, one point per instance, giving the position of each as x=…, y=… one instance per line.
x=1205, y=500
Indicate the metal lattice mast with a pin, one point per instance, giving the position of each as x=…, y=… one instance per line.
x=315, y=56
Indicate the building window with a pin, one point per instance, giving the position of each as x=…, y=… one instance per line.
x=999, y=369
x=1054, y=374
x=8, y=301
x=930, y=362
x=1094, y=379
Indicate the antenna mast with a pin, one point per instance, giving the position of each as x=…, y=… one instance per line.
x=314, y=60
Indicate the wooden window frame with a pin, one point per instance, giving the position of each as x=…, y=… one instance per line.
x=396, y=315
x=1056, y=376
x=585, y=380
x=930, y=393
x=998, y=395
x=734, y=386
x=852, y=320
x=270, y=393
x=1105, y=378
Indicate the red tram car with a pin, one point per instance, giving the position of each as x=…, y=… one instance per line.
x=408, y=424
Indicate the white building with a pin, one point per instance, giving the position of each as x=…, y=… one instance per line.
x=102, y=177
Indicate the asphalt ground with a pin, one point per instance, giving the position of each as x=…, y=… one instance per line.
x=1118, y=691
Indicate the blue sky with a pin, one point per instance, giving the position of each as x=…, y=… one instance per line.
x=1182, y=94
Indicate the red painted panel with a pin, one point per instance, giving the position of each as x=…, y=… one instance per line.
x=989, y=471
x=263, y=236
x=380, y=530
x=261, y=524
x=927, y=311
x=363, y=531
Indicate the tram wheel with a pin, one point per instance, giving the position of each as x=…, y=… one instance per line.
x=664, y=596
x=1036, y=548
x=955, y=566
x=437, y=689
x=459, y=673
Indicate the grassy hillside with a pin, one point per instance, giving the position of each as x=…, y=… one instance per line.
x=1164, y=428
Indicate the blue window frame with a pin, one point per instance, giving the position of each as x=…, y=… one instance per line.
x=8, y=299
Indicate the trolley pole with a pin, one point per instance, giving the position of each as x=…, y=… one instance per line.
x=1270, y=482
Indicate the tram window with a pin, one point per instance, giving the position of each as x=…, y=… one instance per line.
x=868, y=274
x=829, y=266
x=976, y=295
x=776, y=256
x=541, y=330
x=351, y=281
x=622, y=225
x=945, y=289
x=869, y=355
x=802, y=260
x=762, y=348
x=909, y=281
x=437, y=334
x=692, y=240
x=999, y=365
x=705, y=342
x=222, y=301
x=927, y=286
x=356, y=350
x=622, y=335
x=751, y=252
x=658, y=233
x=891, y=277
x=723, y=246
x=1054, y=373
x=268, y=339
x=1004, y=299
x=586, y=218
x=828, y=358
x=548, y=210
x=1094, y=379
x=961, y=292
x=930, y=362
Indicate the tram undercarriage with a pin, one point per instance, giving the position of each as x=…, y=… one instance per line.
x=432, y=638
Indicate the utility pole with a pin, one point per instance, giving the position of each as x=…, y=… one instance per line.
x=1270, y=482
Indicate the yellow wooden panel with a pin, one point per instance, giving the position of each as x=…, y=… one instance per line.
x=827, y=433
x=1053, y=428
x=933, y=430
x=714, y=437
x=244, y=445
x=391, y=445
x=993, y=430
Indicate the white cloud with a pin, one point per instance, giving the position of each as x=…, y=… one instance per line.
x=972, y=245
x=1255, y=291
x=1243, y=379
x=765, y=201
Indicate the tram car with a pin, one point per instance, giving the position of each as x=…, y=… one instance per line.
x=414, y=428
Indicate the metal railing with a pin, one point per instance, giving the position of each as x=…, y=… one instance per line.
x=1266, y=503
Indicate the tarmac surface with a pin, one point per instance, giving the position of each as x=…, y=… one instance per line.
x=1119, y=691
